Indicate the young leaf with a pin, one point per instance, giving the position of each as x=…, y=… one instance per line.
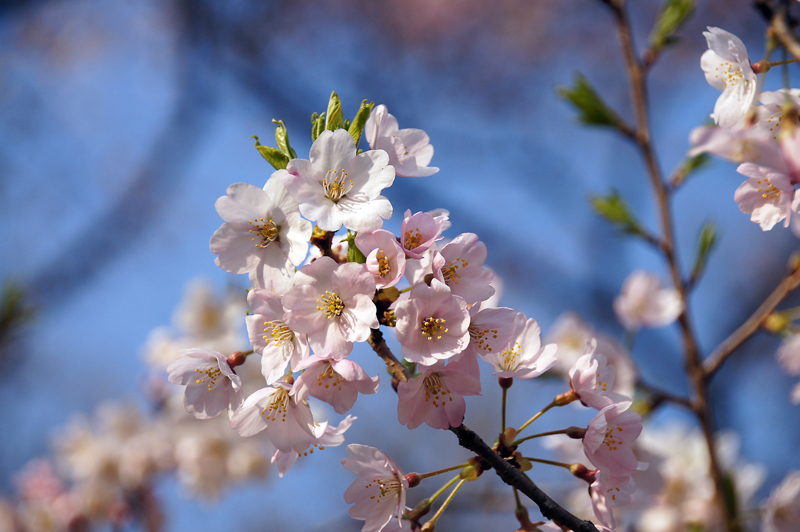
x=274, y=156
x=705, y=244
x=353, y=253
x=358, y=123
x=671, y=17
x=614, y=209
x=317, y=125
x=335, y=116
x=593, y=110
x=282, y=138
x=687, y=167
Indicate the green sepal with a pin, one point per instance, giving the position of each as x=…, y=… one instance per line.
x=614, y=209
x=353, y=253
x=593, y=110
x=671, y=17
x=357, y=125
x=317, y=125
x=282, y=138
x=335, y=116
x=274, y=156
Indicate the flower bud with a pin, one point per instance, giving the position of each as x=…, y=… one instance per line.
x=430, y=526
x=760, y=67
x=524, y=463
x=777, y=322
x=470, y=472
x=413, y=480
x=565, y=398
x=583, y=473
x=236, y=359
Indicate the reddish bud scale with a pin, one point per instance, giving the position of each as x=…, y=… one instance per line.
x=413, y=480
x=236, y=359
x=583, y=473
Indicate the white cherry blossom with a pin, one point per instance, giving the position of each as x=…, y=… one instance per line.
x=727, y=68
x=211, y=385
x=645, y=303
x=782, y=509
x=336, y=382
x=523, y=357
x=409, y=150
x=379, y=492
x=592, y=379
x=608, y=439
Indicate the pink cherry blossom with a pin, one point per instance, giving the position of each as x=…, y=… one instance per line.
x=523, y=357
x=782, y=509
x=418, y=232
x=727, y=68
x=608, y=439
x=751, y=144
x=436, y=396
x=592, y=379
x=336, y=382
x=288, y=423
x=386, y=260
x=339, y=187
x=379, y=492
x=489, y=331
x=277, y=344
x=645, y=303
x=463, y=269
x=263, y=233
x=324, y=436
x=409, y=150
x=211, y=385
x=432, y=323
x=610, y=492
x=333, y=304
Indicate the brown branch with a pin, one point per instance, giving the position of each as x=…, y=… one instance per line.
x=514, y=477
x=784, y=33
x=396, y=368
x=753, y=323
x=692, y=359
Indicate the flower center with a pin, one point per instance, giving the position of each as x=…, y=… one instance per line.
x=434, y=327
x=509, y=357
x=264, y=232
x=611, y=440
x=600, y=385
x=436, y=389
x=336, y=184
x=412, y=238
x=329, y=378
x=450, y=270
x=387, y=486
x=278, y=333
x=769, y=192
x=731, y=74
x=332, y=304
x=212, y=373
x=277, y=406
x=383, y=263
x=481, y=337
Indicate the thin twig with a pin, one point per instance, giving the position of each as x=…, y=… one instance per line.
x=753, y=323
x=784, y=34
x=378, y=344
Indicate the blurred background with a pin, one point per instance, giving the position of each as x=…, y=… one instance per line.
x=122, y=122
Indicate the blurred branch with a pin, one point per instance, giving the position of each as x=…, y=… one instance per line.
x=753, y=323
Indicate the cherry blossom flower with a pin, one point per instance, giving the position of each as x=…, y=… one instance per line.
x=523, y=356
x=489, y=331
x=644, y=303
x=333, y=304
x=727, y=68
x=769, y=115
x=418, y=232
x=386, y=260
x=610, y=492
x=379, y=492
x=592, y=379
x=324, y=436
x=750, y=144
x=432, y=324
x=277, y=344
x=211, y=385
x=336, y=382
x=288, y=422
x=436, y=396
x=338, y=187
x=463, y=269
x=409, y=150
x=782, y=509
x=263, y=233
x=608, y=439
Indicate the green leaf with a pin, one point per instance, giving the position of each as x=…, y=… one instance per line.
x=353, y=253
x=614, y=209
x=593, y=110
x=671, y=17
x=688, y=166
x=317, y=125
x=705, y=244
x=274, y=156
x=282, y=138
x=358, y=123
x=335, y=116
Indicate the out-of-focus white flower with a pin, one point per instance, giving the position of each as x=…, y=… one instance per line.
x=782, y=509
x=789, y=359
x=211, y=385
x=727, y=68
x=645, y=303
